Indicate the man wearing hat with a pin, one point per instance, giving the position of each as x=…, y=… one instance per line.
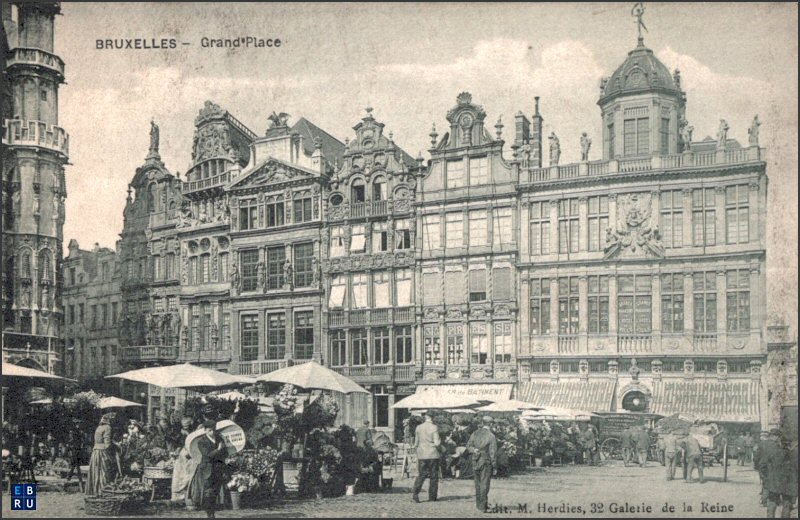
x=364, y=435
x=482, y=445
x=774, y=465
x=210, y=474
x=426, y=443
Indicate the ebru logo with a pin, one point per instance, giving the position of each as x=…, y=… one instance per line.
x=23, y=497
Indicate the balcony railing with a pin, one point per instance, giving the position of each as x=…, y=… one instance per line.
x=635, y=343
x=378, y=372
x=370, y=317
x=646, y=163
x=20, y=132
x=149, y=353
x=368, y=209
x=210, y=182
x=568, y=344
x=37, y=57
x=704, y=342
x=263, y=366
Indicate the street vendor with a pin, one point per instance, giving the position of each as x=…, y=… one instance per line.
x=104, y=464
x=210, y=474
x=185, y=466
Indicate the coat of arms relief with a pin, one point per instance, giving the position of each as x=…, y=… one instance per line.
x=635, y=232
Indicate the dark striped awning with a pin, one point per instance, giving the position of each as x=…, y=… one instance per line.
x=723, y=401
x=588, y=395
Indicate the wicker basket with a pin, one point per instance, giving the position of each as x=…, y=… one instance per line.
x=156, y=472
x=104, y=506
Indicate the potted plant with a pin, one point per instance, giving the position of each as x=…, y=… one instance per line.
x=238, y=484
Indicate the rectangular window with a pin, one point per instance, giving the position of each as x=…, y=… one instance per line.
x=478, y=171
x=275, y=214
x=433, y=348
x=359, y=286
x=454, y=287
x=634, y=304
x=71, y=314
x=249, y=263
x=249, y=337
x=402, y=234
x=302, y=209
x=403, y=345
x=172, y=304
x=454, y=229
x=380, y=284
x=738, y=300
x=540, y=228
x=338, y=291
x=337, y=241
x=403, y=287
x=104, y=310
x=248, y=214
x=94, y=316
x=276, y=258
x=431, y=233
x=598, y=222
x=737, y=214
x=704, y=291
x=276, y=336
x=598, y=304
x=224, y=268
x=380, y=237
x=381, y=350
x=637, y=136
x=664, y=135
x=704, y=225
x=205, y=264
x=226, y=326
x=568, y=305
x=672, y=218
x=206, y=342
x=455, y=344
x=169, y=266
x=502, y=232
x=158, y=304
x=477, y=285
x=380, y=402
x=540, y=306
x=568, y=226
x=502, y=342
x=479, y=345
x=455, y=173
x=80, y=313
x=303, y=264
x=358, y=240
x=502, y=284
x=478, y=228
x=359, y=346
x=304, y=335
x=192, y=270
x=338, y=348
x=672, y=302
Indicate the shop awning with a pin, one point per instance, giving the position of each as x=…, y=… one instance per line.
x=723, y=401
x=592, y=396
x=478, y=391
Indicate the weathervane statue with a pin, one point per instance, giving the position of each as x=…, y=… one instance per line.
x=637, y=12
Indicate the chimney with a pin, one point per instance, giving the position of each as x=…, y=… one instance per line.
x=536, y=137
x=523, y=130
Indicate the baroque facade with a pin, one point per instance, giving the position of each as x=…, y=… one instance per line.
x=634, y=282
x=34, y=150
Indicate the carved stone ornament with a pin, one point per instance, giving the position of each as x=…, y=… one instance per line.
x=656, y=367
x=453, y=314
x=635, y=234
x=431, y=313
x=479, y=312
x=554, y=367
x=502, y=311
x=738, y=343
x=613, y=367
x=433, y=373
x=688, y=366
x=211, y=141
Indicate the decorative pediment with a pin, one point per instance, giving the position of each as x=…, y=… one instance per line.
x=635, y=233
x=270, y=173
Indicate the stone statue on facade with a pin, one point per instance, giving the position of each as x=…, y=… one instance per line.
x=752, y=132
x=555, y=149
x=235, y=276
x=278, y=119
x=686, y=135
x=185, y=216
x=287, y=273
x=315, y=270
x=154, y=137
x=634, y=370
x=261, y=272
x=722, y=135
x=586, y=143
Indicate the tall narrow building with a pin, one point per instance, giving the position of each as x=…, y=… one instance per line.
x=34, y=151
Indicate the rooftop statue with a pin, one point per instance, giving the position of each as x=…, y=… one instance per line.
x=555, y=149
x=586, y=143
x=753, y=131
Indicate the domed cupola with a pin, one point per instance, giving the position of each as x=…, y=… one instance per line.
x=642, y=104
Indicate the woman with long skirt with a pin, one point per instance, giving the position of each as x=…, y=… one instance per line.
x=103, y=464
x=185, y=467
x=210, y=473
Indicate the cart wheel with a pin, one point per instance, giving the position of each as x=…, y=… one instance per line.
x=610, y=449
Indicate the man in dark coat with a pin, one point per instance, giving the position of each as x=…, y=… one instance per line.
x=482, y=445
x=626, y=443
x=774, y=464
x=694, y=458
x=589, y=441
x=642, y=439
x=210, y=474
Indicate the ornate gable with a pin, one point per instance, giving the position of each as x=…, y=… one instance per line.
x=635, y=233
x=270, y=173
x=466, y=125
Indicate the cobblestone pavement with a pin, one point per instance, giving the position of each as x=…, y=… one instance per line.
x=561, y=491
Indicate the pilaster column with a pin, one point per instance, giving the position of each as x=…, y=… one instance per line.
x=753, y=211
x=524, y=230
x=583, y=226
x=720, y=215
x=656, y=288
x=612, y=304
x=554, y=306
x=583, y=312
x=722, y=307
x=688, y=303
x=686, y=218
x=553, y=226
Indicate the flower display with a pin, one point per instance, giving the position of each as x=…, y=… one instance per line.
x=242, y=482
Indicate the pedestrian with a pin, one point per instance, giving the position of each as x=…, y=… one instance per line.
x=694, y=458
x=103, y=464
x=670, y=451
x=363, y=435
x=780, y=477
x=748, y=448
x=210, y=473
x=482, y=445
x=642, y=439
x=738, y=446
x=426, y=444
x=75, y=453
x=184, y=467
x=589, y=444
x=626, y=443
x=759, y=448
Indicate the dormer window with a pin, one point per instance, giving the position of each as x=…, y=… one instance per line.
x=637, y=136
x=379, y=190
x=358, y=193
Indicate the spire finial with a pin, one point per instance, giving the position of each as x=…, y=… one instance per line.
x=637, y=12
x=433, y=135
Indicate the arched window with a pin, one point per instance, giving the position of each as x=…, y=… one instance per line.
x=152, y=198
x=25, y=265
x=357, y=191
x=44, y=267
x=379, y=189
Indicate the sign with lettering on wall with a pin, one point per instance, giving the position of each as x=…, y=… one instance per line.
x=481, y=391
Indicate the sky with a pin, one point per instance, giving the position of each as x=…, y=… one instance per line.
x=409, y=62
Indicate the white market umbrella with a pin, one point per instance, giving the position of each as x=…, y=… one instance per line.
x=558, y=414
x=231, y=396
x=115, y=402
x=511, y=405
x=436, y=401
x=186, y=376
x=30, y=376
x=313, y=376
